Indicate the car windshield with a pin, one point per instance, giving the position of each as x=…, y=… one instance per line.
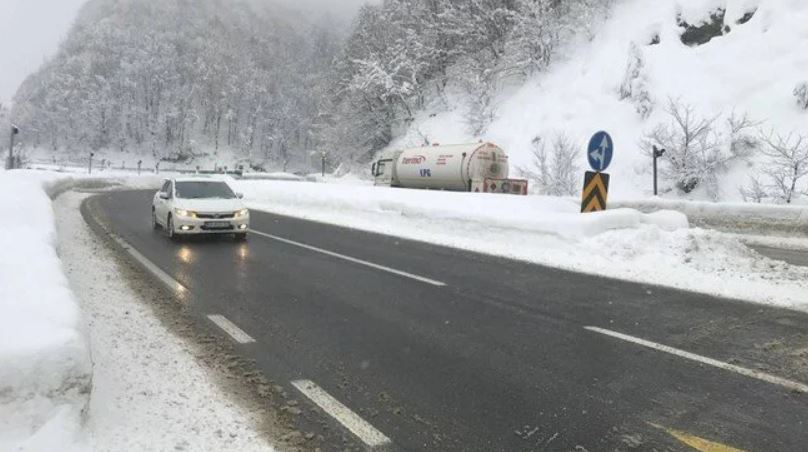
x=201, y=190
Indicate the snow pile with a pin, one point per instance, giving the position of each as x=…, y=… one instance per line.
x=752, y=68
x=45, y=369
x=540, y=214
x=656, y=248
x=733, y=217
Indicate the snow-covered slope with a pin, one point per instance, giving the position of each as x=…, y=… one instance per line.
x=753, y=68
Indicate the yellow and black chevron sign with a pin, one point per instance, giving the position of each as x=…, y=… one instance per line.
x=596, y=192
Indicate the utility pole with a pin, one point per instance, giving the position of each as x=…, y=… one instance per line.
x=657, y=154
x=90, y=165
x=10, y=162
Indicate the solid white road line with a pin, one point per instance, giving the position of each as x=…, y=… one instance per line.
x=230, y=328
x=164, y=277
x=768, y=378
x=351, y=259
x=355, y=424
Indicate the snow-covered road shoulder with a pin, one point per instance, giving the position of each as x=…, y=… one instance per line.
x=657, y=248
x=150, y=390
x=45, y=369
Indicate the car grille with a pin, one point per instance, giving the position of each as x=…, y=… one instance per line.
x=215, y=216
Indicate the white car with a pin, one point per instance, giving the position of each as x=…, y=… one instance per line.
x=188, y=206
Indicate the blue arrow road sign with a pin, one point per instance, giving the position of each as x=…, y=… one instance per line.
x=600, y=151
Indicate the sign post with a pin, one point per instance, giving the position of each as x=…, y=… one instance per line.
x=657, y=154
x=10, y=163
x=596, y=183
x=324, y=156
x=90, y=164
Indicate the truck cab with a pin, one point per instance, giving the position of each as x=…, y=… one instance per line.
x=383, y=168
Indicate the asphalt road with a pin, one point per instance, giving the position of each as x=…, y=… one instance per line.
x=441, y=349
x=793, y=257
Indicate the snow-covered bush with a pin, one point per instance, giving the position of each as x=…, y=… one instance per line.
x=755, y=191
x=787, y=164
x=635, y=83
x=555, y=172
x=697, y=152
x=742, y=140
x=801, y=93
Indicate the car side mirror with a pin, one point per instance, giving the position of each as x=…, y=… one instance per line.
x=163, y=195
x=240, y=195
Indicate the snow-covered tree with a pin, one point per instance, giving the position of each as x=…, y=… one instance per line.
x=801, y=94
x=787, y=164
x=697, y=153
x=554, y=171
x=635, y=83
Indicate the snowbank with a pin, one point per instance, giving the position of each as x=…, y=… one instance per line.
x=744, y=218
x=45, y=369
x=541, y=214
x=656, y=248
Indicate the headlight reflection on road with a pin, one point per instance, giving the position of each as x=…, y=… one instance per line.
x=185, y=254
x=243, y=252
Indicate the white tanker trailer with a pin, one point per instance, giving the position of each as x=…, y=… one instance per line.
x=479, y=167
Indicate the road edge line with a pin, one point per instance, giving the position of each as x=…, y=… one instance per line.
x=756, y=374
x=167, y=280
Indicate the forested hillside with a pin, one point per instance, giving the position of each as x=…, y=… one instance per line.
x=179, y=78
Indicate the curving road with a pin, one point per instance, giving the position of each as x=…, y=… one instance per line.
x=401, y=345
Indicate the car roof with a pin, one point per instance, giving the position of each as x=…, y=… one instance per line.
x=196, y=179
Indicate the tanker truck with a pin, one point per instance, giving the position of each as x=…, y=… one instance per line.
x=479, y=167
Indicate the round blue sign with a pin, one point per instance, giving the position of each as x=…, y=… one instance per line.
x=600, y=151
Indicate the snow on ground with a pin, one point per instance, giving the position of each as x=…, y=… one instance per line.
x=753, y=69
x=45, y=369
x=149, y=392
x=656, y=249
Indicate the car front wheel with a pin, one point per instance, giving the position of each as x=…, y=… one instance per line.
x=170, y=228
x=155, y=224
x=241, y=236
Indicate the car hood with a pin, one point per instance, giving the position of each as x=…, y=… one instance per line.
x=209, y=205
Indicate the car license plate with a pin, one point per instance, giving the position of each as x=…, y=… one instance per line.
x=217, y=224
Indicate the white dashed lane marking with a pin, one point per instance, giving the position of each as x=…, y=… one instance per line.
x=364, y=431
x=230, y=328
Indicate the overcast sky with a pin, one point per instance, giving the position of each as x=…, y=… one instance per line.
x=31, y=30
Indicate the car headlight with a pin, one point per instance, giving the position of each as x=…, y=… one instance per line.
x=242, y=213
x=185, y=213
